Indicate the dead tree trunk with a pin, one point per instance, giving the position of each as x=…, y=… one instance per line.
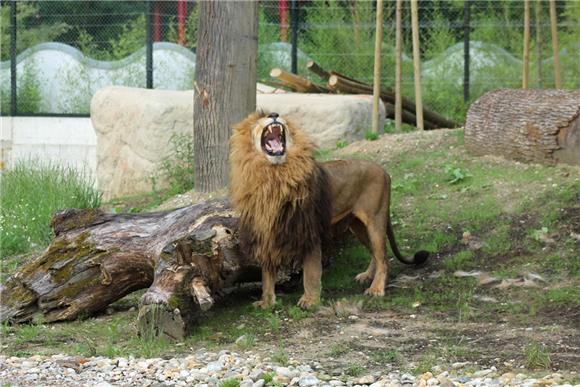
x=186, y=257
x=526, y=125
x=225, y=84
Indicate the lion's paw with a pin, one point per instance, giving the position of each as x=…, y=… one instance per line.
x=363, y=277
x=307, y=302
x=375, y=292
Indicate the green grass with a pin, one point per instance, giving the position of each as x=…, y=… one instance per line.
x=230, y=383
x=537, y=356
x=31, y=193
x=354, y=369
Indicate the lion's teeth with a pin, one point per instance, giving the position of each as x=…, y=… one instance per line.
x=268, y=147
x=270, y=129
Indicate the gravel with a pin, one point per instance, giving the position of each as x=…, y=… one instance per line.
x=207, y=369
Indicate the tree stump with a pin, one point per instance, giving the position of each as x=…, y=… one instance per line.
x=526, y=125
x=187, y=257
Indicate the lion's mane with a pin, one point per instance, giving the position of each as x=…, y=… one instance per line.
x=284, y=209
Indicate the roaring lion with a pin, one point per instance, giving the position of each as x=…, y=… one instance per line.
x=288, y=202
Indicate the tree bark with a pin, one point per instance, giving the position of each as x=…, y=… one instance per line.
x=526, y=125
x=225, y=84
x=187, y=257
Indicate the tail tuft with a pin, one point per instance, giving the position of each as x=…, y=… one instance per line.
x=420, y=257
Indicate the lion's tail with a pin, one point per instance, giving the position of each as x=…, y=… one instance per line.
x=418, y=258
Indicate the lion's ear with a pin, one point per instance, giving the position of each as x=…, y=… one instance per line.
x=261, y=113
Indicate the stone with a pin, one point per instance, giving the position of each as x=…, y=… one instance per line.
x=308, y=381
x=247, y=383
x=259, y=383
x=256, y=374
x=367, y=379
x=134, y=127
x=281, y=379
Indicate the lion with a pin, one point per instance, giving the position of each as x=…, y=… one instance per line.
x=288, y=202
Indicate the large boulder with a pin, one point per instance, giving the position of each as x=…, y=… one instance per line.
x=134, y=127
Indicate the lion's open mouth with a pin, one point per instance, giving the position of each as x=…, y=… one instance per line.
x=274, y=139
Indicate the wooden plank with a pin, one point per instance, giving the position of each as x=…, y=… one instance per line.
x=417, y=64
x=377, y=69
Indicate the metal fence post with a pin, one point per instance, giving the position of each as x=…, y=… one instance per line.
x=294, y=37
x=149, y=44
x=13, y=86
x=466, y=17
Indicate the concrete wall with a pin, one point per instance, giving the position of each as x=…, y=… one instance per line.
x=63, y=140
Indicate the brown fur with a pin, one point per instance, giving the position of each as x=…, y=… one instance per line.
x=284, y=209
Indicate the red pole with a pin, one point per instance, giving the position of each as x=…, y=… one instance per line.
x=156, y=23
x=283, y=9
x=181, y=14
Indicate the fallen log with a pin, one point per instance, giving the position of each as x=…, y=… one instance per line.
x=298, y=83
x=526, y=125
x=187, y=257
x=349, y=85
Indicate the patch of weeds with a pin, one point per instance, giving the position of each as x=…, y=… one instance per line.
x=230, y=383
x=537, y=356
x=27, y=333
x=425, y=363
x=459, y=261
x=296, y=313
x=455, y=174
x=386, y=356
x=274, y=321
x=268, y=377
x=247, y=342
x=341, y=144
x=371, y=136
x=178, y=168
x=354, y=369
x=280, y=356
x=338, y=349
x=31, y=193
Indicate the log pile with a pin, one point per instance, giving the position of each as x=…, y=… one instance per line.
x=186, y=258
x=526, y=125
x=339, y=83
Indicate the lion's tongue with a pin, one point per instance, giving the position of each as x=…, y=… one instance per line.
x=275, y=145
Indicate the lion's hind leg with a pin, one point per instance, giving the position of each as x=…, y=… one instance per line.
x=360, y=231
x=375, y=230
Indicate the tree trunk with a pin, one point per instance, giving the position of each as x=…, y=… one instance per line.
x=526, y=125
x=225, y=84
x=187, y=257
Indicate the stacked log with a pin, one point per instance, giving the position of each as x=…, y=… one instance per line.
x=341, y=83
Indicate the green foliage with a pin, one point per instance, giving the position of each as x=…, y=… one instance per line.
x=28, y=97
x=341, y=144
x=371, y=136
x=338, y=349
x=29, y=32
x=280, y=356
x=31, y=193
x=457, y=175
x=537, y=356
x=178, y=168
x=354, y=369
x=230, y=383
x=460, y=261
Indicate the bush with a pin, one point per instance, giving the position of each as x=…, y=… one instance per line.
x=31, y=193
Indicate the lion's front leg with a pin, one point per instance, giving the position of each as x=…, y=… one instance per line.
x=312, y=273
x=268, y=288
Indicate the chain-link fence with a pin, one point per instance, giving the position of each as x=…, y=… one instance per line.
x=87, y=45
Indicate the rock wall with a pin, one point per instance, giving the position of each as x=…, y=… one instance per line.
x=134, y=127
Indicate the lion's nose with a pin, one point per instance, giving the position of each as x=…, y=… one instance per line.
x=273, y=115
